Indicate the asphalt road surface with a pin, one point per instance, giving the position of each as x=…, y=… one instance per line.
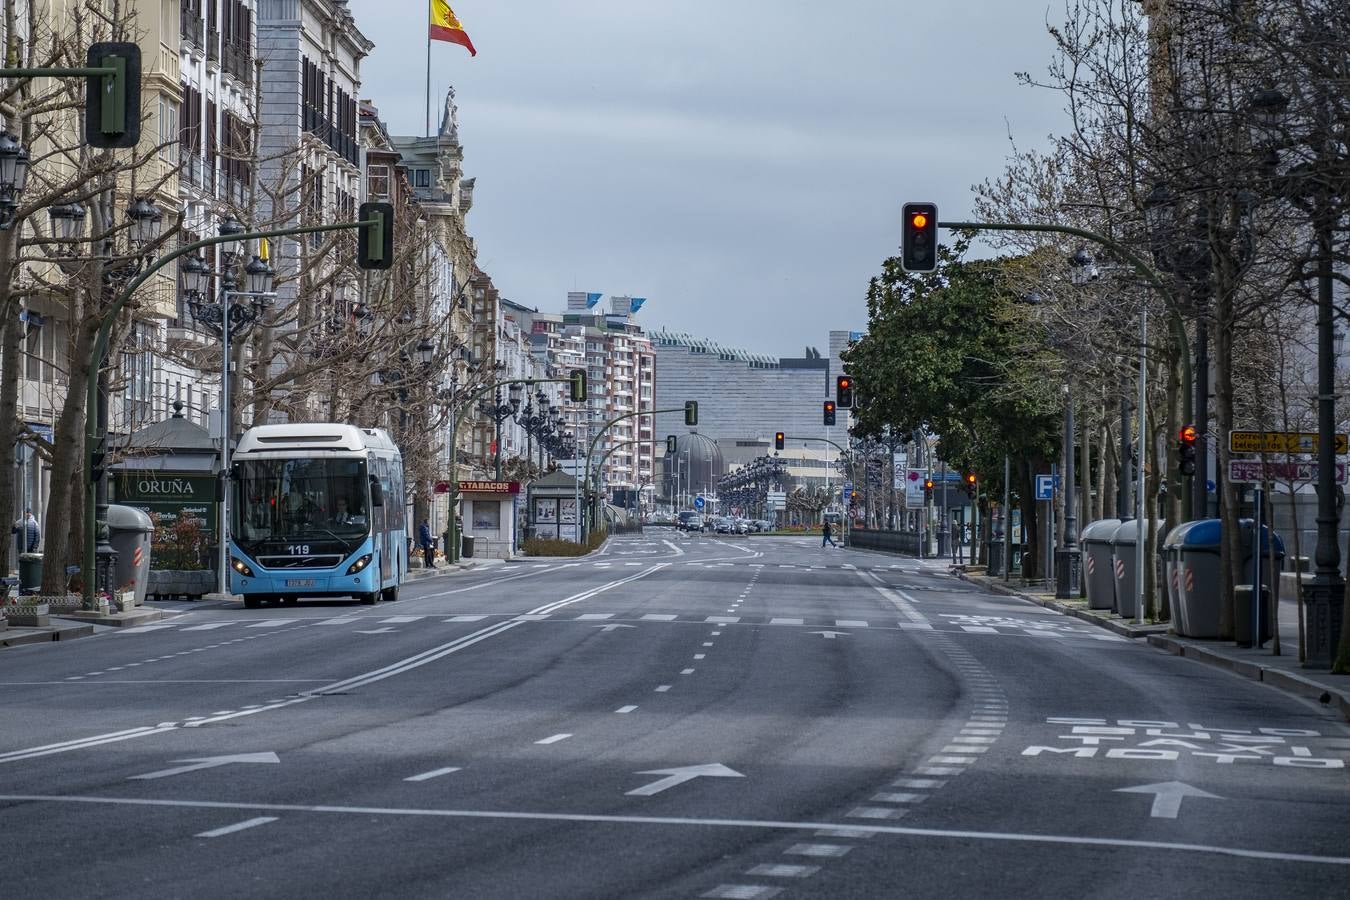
x=677, y=717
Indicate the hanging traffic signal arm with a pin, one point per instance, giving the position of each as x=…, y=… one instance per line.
x=112, y=98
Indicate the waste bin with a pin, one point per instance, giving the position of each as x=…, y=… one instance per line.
x=467, y=547
x=1196, y=547
x=1126, y=563
x=994, y=551
x=1180, y=579
x=1242, y=618
x=130, y=531
x=1100, y=578
x=30, y=572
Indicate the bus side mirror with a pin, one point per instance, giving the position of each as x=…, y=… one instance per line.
x=376, y=492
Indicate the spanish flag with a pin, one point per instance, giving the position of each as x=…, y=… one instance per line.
x=445, y=26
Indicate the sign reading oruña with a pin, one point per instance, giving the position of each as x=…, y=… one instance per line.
x=1281, y=442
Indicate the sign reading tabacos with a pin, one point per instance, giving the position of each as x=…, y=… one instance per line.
x=489, y=487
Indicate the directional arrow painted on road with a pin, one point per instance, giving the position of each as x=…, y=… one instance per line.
x=209, y=762
x=1167, y=796
x=680, y=776
x=830, y=635
x=612, y=627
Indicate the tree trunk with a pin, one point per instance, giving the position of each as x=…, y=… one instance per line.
x=9, y=396
x=1231, y=551
x=68, y=456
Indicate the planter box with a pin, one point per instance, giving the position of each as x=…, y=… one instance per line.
x=30, y=615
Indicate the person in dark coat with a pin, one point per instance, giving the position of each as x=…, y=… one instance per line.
x=826, y=533
x=428, y=544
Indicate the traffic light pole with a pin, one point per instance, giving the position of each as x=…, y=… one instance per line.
x=452, y=527
x=590, y=449
x=93, y=439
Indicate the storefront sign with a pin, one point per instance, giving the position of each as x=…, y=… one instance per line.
x=489, y=487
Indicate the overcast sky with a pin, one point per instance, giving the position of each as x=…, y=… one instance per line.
x=740, y=163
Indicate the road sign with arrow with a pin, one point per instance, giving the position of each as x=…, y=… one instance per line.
x=1167, y=797
x=209, y=762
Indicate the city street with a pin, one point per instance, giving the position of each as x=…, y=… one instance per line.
x=677, y=716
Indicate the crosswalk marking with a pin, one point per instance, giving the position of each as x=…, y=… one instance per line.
x=658, y=617
x=273, y=623
x=467, y=619
x=979, y=629
x=209, y=627
x=787, y=620
x=399, y=620
x=341, y=620
x=594, y=617
x=850, y=623
x=722, y=620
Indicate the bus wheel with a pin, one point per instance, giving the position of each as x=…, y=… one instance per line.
x=252, y=601
x=369, y=599
x=389, y=595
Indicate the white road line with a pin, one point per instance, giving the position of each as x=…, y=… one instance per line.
x=783, y=870
x=833, y=850
x=898, y=798
x=952, y=760
x=662, y=688
x=594, y=617
x=700, y=656
x=272, y=623
x=919, y=782
x=399, y=620
x=434, y=773
x=658, y=617
x=238, y=826
x=742, y=892
x=139, y=629
x=625, y=709
x=850, y=623
x=554, y=739
x=979, y=629
x=875, y=812
x=686, y=671
x=787, y=620
x=467, y=619
x=210, y=627
x=722, y=620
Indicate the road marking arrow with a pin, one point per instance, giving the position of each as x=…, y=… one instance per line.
x=612, y=627
x=680, y=776
x=830, y=635
x=209, y=762
x=1167, y=796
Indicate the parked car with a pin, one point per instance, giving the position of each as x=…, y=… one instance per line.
x=742, y=526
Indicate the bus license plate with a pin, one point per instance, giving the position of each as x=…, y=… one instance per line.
x=299, y=582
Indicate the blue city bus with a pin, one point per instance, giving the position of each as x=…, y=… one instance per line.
x=316, y=510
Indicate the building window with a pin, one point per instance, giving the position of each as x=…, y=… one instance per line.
x=422, y=178
x=377, y=181
x=168, y=129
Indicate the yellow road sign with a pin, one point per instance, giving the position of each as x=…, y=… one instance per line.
x=1281, y=442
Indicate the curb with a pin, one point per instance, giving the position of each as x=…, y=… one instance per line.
x=1119, y=627
x=1289, y=682
x=44, y=635
x=140, y=616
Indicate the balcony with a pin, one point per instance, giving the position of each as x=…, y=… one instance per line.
x=191, y=27
x=212, y=46
x=236, y=61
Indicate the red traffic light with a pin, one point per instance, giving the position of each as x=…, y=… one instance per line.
x=845, y=382
x=1188, y=434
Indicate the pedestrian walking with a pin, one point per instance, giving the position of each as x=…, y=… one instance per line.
x=428, y=544
x=28, y=533
x=826, y=535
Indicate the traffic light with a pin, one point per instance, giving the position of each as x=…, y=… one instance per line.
x=1186, y=439
x=576, y=385
x=375, y=242
x=971, y=484
x=843, y=392
x=918, y=240
x=927, y=489
x=691, y=412
x=112, y=103
x=829, y=412
x=672, y=444
x=778, y=438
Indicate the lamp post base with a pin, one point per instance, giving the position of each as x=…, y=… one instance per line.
x=1068, y=573
x=1324, y=598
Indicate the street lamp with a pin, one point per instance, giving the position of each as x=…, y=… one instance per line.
x=226, y=319
x=13, y=176
x=146, y=221
x=425, y=351
x=67, y=221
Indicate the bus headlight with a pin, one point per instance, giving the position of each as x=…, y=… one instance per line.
x=360, y=564
x=241, y=567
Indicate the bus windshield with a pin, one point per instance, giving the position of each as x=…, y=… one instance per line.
x=294, y=499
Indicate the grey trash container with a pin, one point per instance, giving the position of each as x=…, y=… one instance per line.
x=130, y=531
x=467, y=546
x=1179, y=584
x=1099, y=578
x=30, y=572
x=1271, y=544
x=1126, y=562
x=1198, y=573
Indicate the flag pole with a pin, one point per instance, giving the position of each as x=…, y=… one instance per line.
x=428, y=104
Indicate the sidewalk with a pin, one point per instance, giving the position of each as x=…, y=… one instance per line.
x=456, y=569
x=1283, y=672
